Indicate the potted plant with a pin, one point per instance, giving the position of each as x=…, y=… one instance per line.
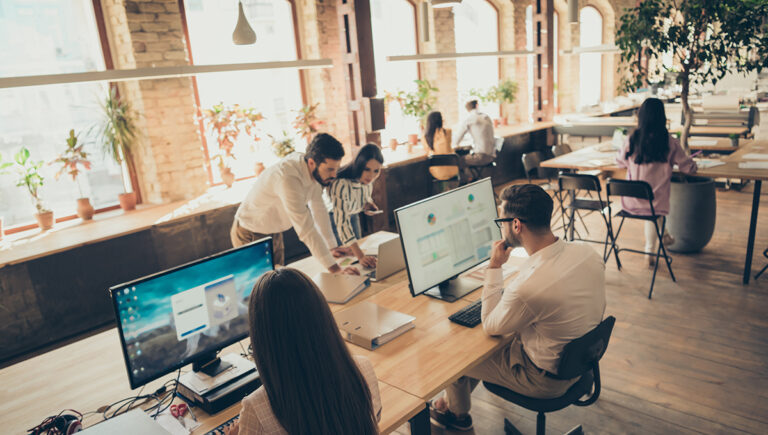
x=418, y=104
x=734, y=140
x=223, y=162
x=226, y=124
x=282, y=146
x=706, y=40
x=3, y=170
x=306, y=122
x=31, y=179
x=503, y=92
x=118, y=138
x=70, y=162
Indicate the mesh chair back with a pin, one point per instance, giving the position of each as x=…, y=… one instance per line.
x=632, y=188
x=443, y=160
x=581, y=355
x=579, y=182
x=559, y=150
x=532, y=166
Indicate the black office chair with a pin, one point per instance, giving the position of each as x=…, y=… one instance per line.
x=479, y=171
x=765, y=254
x=532, y=167
x=579, y=359
x=571, y=185
x=443, y=160
x=640, y=190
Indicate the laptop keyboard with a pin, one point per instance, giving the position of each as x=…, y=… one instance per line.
x=468, y=316
x=219, y=430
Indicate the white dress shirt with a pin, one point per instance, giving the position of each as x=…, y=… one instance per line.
x=480, y=127
x=286, y=195
x=557, y=296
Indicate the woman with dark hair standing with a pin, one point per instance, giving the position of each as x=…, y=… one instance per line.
x=350, y=194
x=649, y=155
x=311, y=383
x=437, y=140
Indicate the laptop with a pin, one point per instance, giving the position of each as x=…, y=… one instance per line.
x=389, y=259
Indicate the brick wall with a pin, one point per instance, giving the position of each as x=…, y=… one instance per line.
x=170, y=163
x=441, y=75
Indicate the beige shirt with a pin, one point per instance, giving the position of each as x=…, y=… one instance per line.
x=480, y=127
x=256, y=416
x=557, y=296
x=286, y=195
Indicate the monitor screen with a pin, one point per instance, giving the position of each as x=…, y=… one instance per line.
x=448, y=233
x=169, y=319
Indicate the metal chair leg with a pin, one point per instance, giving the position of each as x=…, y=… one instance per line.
x=765, y=254
x=667, y=258
x=541, y=424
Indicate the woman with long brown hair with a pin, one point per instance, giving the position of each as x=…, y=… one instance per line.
x=311, y=383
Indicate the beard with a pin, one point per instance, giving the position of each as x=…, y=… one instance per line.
x=513, y=241
x=320, y=180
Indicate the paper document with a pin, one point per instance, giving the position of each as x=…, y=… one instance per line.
x=703, y=142
x=755, y=156
x=753, y=165
x=705, y=163
x=372, y=242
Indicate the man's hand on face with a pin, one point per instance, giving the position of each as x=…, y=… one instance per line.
x=499, y=254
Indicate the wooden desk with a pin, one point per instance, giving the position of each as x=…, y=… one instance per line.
x=712, y=130
x=713, y=145
x=731, y=170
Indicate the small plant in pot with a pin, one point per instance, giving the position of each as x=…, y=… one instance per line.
x=734, y=140
x=118, y=138
x=71, y=161
x=306, y=123
x=226, y=123
x=224, y=163
x=31, y=179
x=3, y=170
x=282, y=146
x=504, y=92
x=418, y=104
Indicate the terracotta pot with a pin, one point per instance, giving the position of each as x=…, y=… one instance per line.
x=504, y=121
x=413, y=139
x=258, y=168
x=1, y=228
x=84, y=209
x=227, y=177
x=127, y=201
x=496, y=122
x=393, y=144
x=44, y=220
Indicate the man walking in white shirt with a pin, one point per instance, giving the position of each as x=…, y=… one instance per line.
x=289, y=194
x=557, y=296
x=480, y=128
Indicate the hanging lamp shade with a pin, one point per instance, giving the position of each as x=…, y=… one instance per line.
x=243, y=34
x=573, y=11
x=445, y=3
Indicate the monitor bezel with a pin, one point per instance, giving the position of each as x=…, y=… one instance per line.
x=190, y=359
x=402, y=243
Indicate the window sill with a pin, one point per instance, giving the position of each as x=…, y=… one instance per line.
x=29, y=245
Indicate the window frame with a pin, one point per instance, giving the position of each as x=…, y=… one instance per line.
x=602, y=39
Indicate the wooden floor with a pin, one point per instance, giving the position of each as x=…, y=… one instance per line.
x=692, y=360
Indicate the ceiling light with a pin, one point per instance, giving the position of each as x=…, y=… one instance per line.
x=243, y=34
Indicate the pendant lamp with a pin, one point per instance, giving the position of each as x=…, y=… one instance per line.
x=573, y=11
x=243, y=34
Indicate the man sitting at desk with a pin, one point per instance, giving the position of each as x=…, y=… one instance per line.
x=557, y=296
x=290, y=194
x=480, y=128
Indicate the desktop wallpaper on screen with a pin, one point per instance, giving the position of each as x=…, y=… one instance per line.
x=169, y=318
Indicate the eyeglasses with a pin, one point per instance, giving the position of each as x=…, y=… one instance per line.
x=502, y=220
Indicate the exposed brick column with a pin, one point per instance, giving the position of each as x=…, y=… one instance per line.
x=508, y=66
x=441, y=74
x=142, y=34
x=520, y=63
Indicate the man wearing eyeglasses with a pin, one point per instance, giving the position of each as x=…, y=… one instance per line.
x=557, y=296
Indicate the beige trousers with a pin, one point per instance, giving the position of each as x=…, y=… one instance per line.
x=509, y=367
x=240, y=236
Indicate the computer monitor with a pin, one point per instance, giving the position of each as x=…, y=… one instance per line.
x=445, y=235
x=187, y=314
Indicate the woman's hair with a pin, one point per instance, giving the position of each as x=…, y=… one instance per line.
x=354, y=169
x=434, y=121
x=311, y=380
x=650, y=142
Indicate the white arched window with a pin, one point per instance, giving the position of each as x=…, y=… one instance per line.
x=590, y=68
x=392, y=77
x=530, y=58
x=276, y=94
x=476, y=28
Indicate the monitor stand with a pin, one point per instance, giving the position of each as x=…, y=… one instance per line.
x=453, y=289
x=210, y=364
x=235, y=378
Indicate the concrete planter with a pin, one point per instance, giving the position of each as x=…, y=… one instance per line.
x=692, y=212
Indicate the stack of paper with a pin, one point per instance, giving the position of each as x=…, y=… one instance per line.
x=370, y=326
x=753, y=165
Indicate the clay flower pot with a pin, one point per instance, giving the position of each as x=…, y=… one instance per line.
x=1, y=228
x=127, y=201
x=413, y=139
x=393, y=144
x=227, y=177
x=84, y=209
x=258, y=168
x=44, y=220
x=504, y=121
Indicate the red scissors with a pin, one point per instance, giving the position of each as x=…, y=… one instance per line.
x=178, y=411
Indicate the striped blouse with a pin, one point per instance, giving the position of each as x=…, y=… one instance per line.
x=345, y=198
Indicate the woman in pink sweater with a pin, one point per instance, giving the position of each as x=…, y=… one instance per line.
x=649, y=155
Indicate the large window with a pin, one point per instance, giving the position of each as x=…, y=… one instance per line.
x=276, y=94
x=476, y=28
x=590, y=65
x=391, y=77
x=50, y=37
x=530, y=59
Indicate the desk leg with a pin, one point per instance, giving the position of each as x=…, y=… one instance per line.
x=420, y=424
x=752, y=228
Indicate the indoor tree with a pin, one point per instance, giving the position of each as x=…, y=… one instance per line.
x=706, y=38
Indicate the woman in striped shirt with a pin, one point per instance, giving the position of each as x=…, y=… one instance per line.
x=350, y=194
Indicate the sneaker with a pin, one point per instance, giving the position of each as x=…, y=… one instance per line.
x=668, y=239
x=448, y=420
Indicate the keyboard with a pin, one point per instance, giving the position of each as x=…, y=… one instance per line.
x=219, y=430
x=468, y=316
